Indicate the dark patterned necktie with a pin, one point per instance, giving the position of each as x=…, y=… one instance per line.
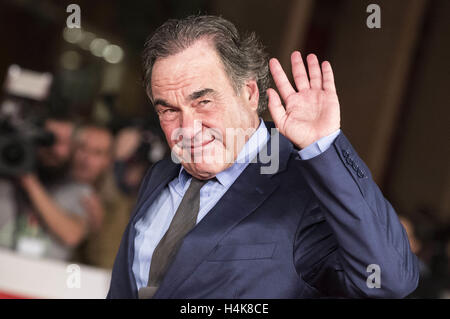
x=184, y=220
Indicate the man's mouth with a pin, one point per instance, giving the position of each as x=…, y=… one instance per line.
x=196, y=146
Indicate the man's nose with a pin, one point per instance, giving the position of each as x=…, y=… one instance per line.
x=190, y=126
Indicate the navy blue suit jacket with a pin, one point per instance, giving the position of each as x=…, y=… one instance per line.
x=309, y=230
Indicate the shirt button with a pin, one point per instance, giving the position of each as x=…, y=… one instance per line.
x=345, y=153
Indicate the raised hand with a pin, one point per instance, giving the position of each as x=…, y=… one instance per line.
x=95, y=211
x=312, y=111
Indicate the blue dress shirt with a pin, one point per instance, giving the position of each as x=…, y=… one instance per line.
x=151, y=228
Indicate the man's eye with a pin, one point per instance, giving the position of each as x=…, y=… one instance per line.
x=204, y=102
x=166, y=111
x=167, y=114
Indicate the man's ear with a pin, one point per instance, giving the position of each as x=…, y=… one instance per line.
x=251, y=94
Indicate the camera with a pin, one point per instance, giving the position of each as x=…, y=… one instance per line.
x=21, y=130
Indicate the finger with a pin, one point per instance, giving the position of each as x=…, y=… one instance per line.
x=276, y=108
x=315, y=75
x=280, y=79
x=299, y=71
x=328, y=77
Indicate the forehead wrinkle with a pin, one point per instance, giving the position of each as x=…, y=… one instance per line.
x=183, y=89
x=179, y=82
x=167, y=91
x=201, y=92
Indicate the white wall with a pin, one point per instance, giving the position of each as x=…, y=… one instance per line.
x=44, y=278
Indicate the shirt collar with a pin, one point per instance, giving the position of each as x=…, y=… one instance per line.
x=251, y=148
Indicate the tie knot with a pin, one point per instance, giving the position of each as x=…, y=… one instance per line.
x=197, y=183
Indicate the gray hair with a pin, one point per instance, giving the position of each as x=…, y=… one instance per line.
x=244, y=58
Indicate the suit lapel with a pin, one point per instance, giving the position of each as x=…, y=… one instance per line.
x=248, y=192
x=160, y=178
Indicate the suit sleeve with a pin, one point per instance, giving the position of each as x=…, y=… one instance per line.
x=349, y=242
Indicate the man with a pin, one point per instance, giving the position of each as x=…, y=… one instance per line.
x=90, y=164
x=316, y=227
x=51, y=214
x=92, y=154
x=108, y=209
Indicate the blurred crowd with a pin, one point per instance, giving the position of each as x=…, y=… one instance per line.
x=74, y=202
x=431, y=243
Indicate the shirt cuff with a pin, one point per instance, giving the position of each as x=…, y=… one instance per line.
x=318, y=147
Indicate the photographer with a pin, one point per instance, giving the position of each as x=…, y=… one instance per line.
x=52, y=219
x=90, y=163
x=115, y=184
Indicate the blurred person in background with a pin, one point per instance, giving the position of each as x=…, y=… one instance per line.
x=136, y=149
x=91, y=160
x=414, y=242
x=117, y=189
x=7, y=214
x=129, y=162
x=439, y=280
x=51, y=217
x=428, y=242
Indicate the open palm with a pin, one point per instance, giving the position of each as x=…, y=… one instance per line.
x=312, y=111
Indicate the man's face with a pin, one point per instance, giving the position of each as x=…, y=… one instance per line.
x=192, y=86
x=59, y=153
x=92, y=154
